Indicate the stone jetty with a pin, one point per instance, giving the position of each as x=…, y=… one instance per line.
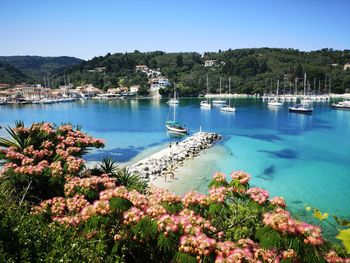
x=167, y=160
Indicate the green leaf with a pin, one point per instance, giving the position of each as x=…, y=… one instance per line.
x=146, y=228
x=184, y=258
x=166, y=243
x=319, y=215
x=344, y=236
x=120, y=204
x=341, y=222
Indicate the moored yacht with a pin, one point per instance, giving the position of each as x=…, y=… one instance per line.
x=219, y=101
x=173, y=100
x=206, y=103
x=343, y=105
x=274, y=101
x=304, y=107
x=228, y=108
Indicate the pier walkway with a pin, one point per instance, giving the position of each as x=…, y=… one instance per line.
x=167, y=160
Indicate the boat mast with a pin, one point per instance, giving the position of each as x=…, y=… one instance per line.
x=229, y=91
x=207, y=88
x=296, y=87
x=220, y=87
x=278, y=85
x=304, y=85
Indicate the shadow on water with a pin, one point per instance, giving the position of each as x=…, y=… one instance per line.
x=263, y=137
x=118, y=154
x=283, y=154
x=269, y=173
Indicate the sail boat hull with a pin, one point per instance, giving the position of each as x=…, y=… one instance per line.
x=228, y=109
x=205, y=104
x=176, y=129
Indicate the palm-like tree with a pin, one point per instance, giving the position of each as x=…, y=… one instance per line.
x=109, y=166
x=130, y=181
x=22, y=140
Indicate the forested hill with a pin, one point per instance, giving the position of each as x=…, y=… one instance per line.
x=11, y=75
x=251, y=70
x=36, y=67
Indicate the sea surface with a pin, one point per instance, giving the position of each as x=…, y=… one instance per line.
x=305, y=158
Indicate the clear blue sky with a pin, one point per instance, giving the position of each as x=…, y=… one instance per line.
x=88, y=28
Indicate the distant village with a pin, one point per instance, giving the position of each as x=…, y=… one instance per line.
x=37, y=93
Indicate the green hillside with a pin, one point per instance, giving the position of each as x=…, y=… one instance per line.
x=10, y=74
x=251, y=70
x=36, y=67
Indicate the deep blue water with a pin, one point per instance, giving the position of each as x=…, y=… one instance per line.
x=305, y=158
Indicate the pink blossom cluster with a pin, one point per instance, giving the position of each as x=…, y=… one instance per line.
x=332, y=257
x=60, y=206
x=119, y=191
x=76, y=184
x=245, y=250
x=258, y=195
x=218, y=194
x=195, y=198
x=168, y=223
x=74, y=165
x=192, y=223
x=199, y=245
x=281, y=221
x=278, y=201
x=34, y=159
x=219, y=177
x=240, y=176
x=99, y=207
x=158, y=195
x=56, y=169
x=133, y=216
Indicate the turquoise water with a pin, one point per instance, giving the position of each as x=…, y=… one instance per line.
x=305, y=158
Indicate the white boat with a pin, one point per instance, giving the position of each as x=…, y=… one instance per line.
x=274, y=101
x=301, y=108
x=174, y=126
x=206, y=103
x=228, y=108
x=174, y=100
x=219, y=101
x=343, y=105
x=304, y=107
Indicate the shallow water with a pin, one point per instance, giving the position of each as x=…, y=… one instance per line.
x=305, y=158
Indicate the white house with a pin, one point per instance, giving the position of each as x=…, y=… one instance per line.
x=134, y=89
x=159, y=83
x=209, y=63
x=347, y=66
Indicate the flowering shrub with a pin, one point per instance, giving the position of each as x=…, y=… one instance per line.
x=42, y=157
x=232, y=223
x=200, y=227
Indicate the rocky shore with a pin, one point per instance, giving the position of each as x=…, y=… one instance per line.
x=164, y=162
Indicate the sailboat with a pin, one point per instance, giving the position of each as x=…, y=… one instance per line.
x=173, y=100
x=174, y=126
x=206, y=103
x=303, y=107
x=219, y=101
x=275, y=102
x=228, y=107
